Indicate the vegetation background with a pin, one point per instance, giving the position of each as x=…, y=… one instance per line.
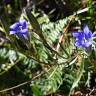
x=48, y=63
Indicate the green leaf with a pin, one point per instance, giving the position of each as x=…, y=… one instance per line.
x=79, y=75
x=36, y=91
x=54, y=85
x=33, y=21
x=73, y=61
x=5, y=22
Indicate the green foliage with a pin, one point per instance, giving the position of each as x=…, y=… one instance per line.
x=36, y=91
x=36, y=62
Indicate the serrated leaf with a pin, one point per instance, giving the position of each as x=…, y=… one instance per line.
x=53, y=72
x=58, y=77
x=54, y=85
x=36, y=91
x=79, y=75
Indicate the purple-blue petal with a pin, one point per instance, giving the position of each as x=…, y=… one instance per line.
x=25, y=36
x=23, y=23
x=78, y=35
x=88, y=36
x=15, y=26
x=20, y=28
x=75, y=34
x=24, y=31
x=86, y=29
x=87, y=44
x=13, y=32
x=94, y=34
x=78, y=43
x=87, y=32
x=83, y=38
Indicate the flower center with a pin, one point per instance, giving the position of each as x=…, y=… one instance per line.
x=21, y=28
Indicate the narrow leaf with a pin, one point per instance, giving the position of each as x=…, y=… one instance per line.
x=33, y=21
x=79, y=75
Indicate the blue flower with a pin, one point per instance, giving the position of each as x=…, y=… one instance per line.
x=20, y=28
x=84, y=38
